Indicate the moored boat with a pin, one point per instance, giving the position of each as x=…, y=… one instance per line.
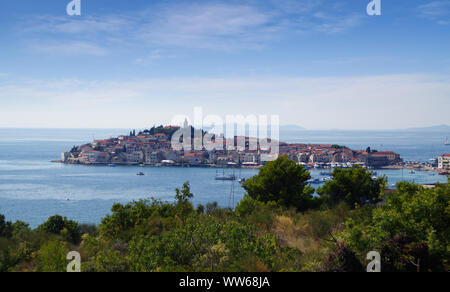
x=226, y=177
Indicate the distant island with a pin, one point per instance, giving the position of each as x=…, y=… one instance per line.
x=152, y=147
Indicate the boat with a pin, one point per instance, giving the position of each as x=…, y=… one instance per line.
x=225, y=177
x=140, y=174
x=325, y=179
x=111, y=165
x=242, y=180
x=444, y=173
x=447, y=142
x=314, y=181
x=412, y=172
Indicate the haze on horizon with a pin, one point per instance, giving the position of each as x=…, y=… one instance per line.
x=317, y=64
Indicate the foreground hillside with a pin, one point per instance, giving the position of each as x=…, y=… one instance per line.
x=278, y=226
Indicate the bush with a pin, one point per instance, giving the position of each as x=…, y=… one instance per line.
x=61, y=225
x=52, y=257
x=354, y=186
x=411, y=227
x=284, y=182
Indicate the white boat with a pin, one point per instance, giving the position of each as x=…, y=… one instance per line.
x=447, y=142
x=314, y=181
x=226, y=177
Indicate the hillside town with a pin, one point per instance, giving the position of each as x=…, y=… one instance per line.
x=153, y=148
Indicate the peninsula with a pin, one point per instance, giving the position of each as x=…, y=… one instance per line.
x=153, y=148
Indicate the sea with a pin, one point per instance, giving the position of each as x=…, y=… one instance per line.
x=32, y=188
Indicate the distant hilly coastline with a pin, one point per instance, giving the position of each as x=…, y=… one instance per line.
x=438, y=128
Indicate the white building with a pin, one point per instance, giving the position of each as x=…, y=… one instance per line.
x=444, y=162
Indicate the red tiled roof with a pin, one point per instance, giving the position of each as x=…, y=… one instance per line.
x=192, y=154
x=384, y=153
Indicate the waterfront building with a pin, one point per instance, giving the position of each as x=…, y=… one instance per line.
x=380, y=159
x=154, y=157
x=89, y=156
x=444, y=162
x=103, y=157
x=193, y=158
x=65, y=156
x=135, y=157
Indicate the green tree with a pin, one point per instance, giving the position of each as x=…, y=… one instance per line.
x=353, y=186
x=284, y=182
x=62, y=226
x=6, y=228
x=411, y=230
x=183, y=206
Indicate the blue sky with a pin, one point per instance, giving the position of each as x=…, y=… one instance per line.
x=318, y=64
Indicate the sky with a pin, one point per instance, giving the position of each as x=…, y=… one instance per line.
x=319, y=64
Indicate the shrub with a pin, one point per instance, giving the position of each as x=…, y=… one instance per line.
x=284, y=182
x=62, y=226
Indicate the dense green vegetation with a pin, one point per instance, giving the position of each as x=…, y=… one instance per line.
x=278, y=226
x=355, y=186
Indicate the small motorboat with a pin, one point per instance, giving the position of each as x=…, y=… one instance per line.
x=315, y=181
x=140, y=174
x=242, y=180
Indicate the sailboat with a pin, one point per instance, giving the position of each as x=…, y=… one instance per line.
x=225, y=177
x=447, y=142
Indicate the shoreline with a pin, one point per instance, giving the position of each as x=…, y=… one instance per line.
x=416, y=166
x=158, y=165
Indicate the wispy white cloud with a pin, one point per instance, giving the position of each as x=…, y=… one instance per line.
x=71, y=25
x=438, y=11
x=206, y=25
x=153, y=56
x=67, y=48
x=213, y=26
x=370, y=102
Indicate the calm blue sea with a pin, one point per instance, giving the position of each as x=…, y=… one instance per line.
x=32, y=188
